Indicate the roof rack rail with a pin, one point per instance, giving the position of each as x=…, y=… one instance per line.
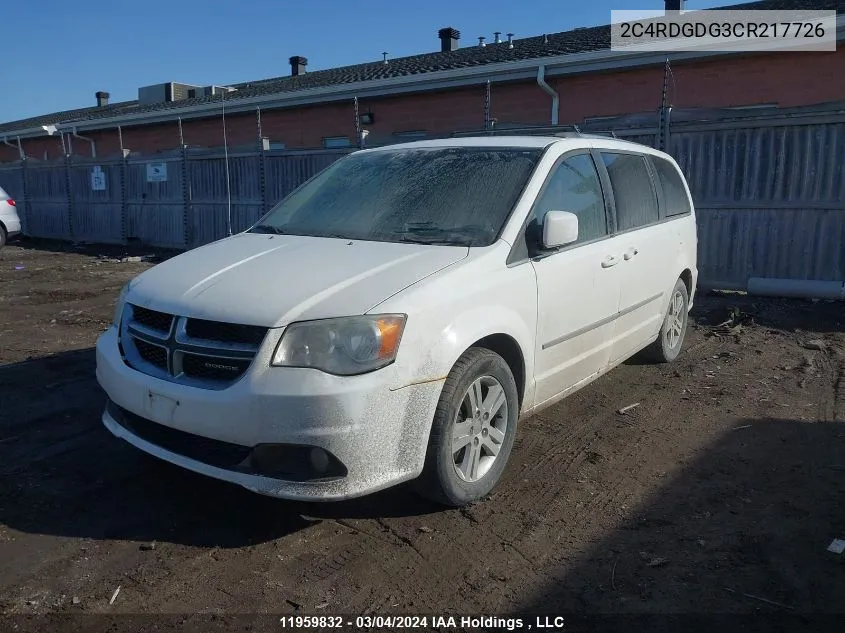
x=574, y=131
x=557, y=130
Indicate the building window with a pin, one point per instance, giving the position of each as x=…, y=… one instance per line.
x=276, y=145
x=331, y=142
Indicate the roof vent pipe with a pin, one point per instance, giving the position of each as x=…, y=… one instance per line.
x=102, y=98
x=481, y=39
x=510, y=40
x=497, y=37
x=297, y=65
x=541, y=81
x=448, y=39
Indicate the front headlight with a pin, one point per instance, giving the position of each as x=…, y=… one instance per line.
x=344, y=346
x=118, y=306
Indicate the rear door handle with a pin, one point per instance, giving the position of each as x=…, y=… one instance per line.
x=629, y=254
x=609, y=261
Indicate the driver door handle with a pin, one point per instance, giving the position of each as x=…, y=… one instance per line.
x=609, y=261
x=629, y=254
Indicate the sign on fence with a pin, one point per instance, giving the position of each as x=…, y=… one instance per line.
x=98, y=179
x=156, y=172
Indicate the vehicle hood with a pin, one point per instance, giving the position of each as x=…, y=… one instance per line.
x=273, y=280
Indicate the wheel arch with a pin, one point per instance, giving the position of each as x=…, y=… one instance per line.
x=509, y=349
x=686, y=277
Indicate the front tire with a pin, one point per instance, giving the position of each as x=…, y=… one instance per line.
x=668, y=345
x=473, y=430
x=2, y=237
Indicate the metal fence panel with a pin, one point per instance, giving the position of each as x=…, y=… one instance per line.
x=209, y=222
x=285, y=173
x=47, y=204
x=785, y=165
x=221, y=201
x=770, y=200
x=155, y=210
x=97, y=214
x=737, y=243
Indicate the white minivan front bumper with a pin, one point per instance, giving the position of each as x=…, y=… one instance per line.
x=378, y=435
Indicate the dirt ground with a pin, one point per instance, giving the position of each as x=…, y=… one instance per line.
x=718, y=494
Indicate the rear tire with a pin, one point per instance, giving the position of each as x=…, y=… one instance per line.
x=473, y=430
x=669, y=342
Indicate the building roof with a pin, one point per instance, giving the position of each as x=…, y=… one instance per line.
x=579, y=40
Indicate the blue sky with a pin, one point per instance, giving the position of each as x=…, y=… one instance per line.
x=58, y=53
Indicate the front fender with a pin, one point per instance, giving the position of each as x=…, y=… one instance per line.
x=450, y=312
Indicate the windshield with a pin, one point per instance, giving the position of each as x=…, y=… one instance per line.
x=454, y=195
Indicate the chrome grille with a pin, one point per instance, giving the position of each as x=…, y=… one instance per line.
x=196, y=352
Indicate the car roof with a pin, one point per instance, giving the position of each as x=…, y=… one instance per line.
x=573, y=141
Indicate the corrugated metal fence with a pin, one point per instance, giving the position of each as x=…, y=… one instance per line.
x=769, y=188
x=174, y=200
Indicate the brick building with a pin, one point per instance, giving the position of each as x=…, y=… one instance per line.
x=562, y=78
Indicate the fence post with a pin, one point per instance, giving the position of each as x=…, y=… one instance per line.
x=124, y=211
x=667, y=131
x=262, y=174
x=186, y=199
x=68, y=160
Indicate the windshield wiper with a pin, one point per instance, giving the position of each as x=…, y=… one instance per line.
x=436, y=239
x=266, y=228
x=429, y=233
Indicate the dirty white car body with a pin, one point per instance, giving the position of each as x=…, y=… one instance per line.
x=10, y=222
x=549, y=313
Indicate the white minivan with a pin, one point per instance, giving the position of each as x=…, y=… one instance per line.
x=394, y=317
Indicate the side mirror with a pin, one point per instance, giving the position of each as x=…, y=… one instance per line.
x=559, y=229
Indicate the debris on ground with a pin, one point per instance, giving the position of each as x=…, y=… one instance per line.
x=658, y=561
x=148, y=547
x=837, y=546
x=816, y=344
x=114, y=595
x=75, y=600
x=425, y=529
x=625, y=410
x=758, y=598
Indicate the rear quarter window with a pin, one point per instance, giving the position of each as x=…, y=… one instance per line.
x=674, y=193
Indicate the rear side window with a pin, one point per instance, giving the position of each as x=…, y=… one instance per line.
x=636, y=201
x=674, y=193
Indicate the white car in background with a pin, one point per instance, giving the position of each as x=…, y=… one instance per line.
x=10, y=223
x=394, y=317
